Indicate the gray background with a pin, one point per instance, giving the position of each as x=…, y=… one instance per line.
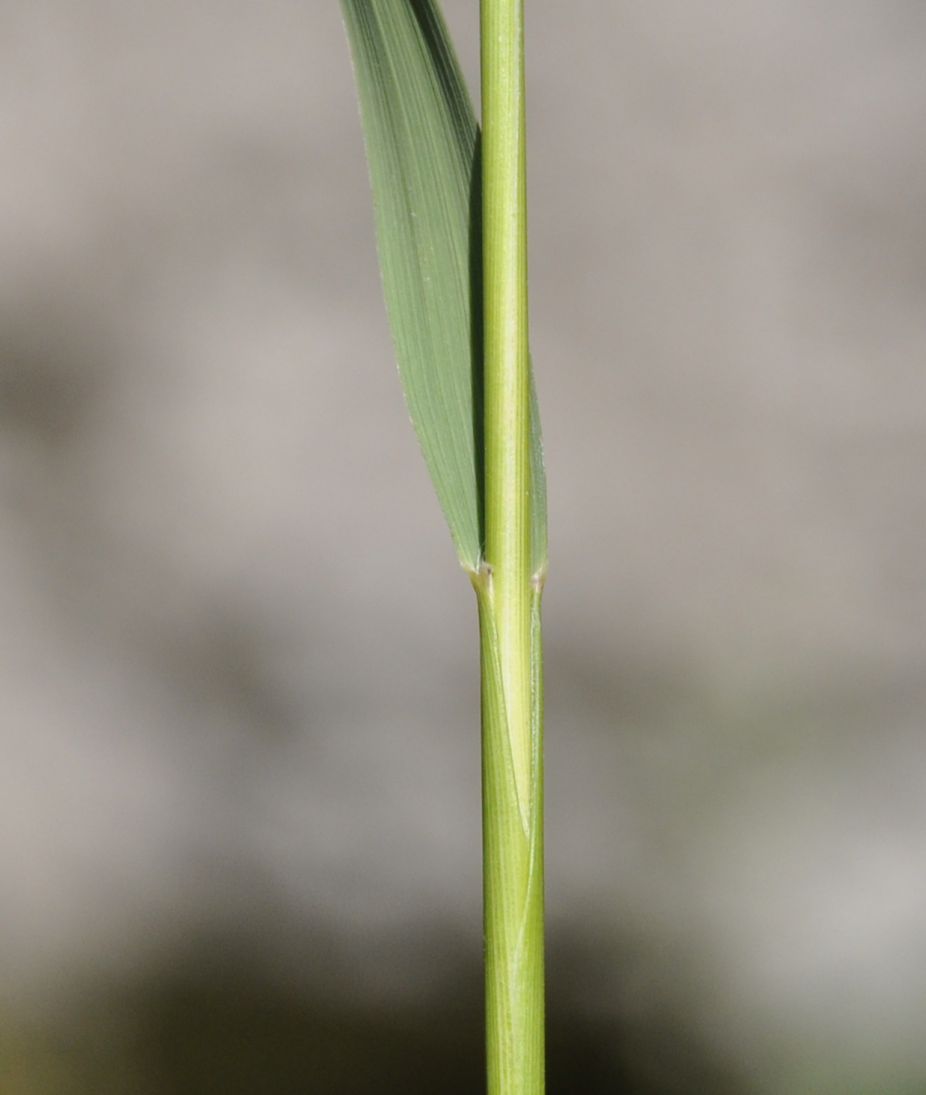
x=239, y=798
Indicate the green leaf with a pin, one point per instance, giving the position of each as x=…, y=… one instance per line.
x=422, y=145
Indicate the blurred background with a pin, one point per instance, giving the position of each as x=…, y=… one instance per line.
x=239, y=789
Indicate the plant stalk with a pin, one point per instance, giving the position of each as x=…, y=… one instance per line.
x=508, y=591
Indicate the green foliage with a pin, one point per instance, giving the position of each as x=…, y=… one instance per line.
x=438, y=241
x=422, y=145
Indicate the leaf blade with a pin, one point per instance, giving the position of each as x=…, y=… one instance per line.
x=422, y=144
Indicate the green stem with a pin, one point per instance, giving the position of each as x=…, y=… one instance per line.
x=508, y=591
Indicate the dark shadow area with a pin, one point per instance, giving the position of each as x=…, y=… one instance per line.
x=211, y=1021
x=52, y=374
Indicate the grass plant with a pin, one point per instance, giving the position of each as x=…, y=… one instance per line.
x=452, y=233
